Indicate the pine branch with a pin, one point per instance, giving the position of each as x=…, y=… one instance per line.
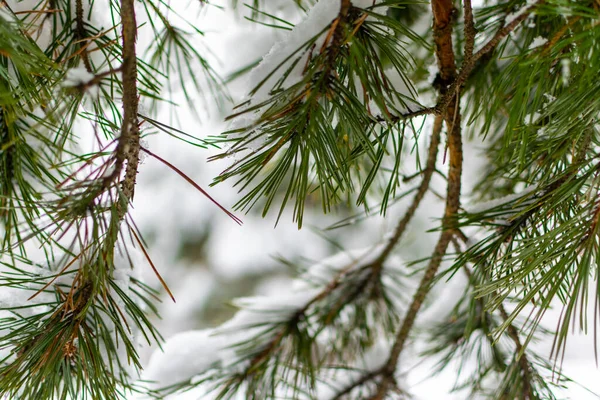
x=470, y=61
x=283, y=134
x=442, y=26
x=376, y=266
x=399, y=231
x=558, y=35
x=506, y=30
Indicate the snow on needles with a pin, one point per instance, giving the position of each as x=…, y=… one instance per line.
x=280, y=57
x=537, y=42
x=513, y=16
x=283, y=66
x=286, y=58
x=195, y=353
x=184, y=356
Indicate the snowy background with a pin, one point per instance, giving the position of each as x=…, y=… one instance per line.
x=208, y=260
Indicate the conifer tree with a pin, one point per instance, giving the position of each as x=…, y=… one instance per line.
x=336, y=113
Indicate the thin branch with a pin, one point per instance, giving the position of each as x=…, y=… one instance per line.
x=523, y=361
x=359, y=382
x=514, y=336
x=129, y=140
x=552, y=42
x=422, y=190
x=81, y=35
x=408, y=115
x=97, y=79
x=470, y=62
x=505, y=31
x=442, y=27
x=400, y=229
x=128, y=146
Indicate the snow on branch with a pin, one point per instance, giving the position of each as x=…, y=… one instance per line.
x=271, y=337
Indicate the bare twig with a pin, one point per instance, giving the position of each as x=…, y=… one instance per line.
x=470, y=32
x=80, y=31
x=408, y=115
x=359, y=382
x=97, y=79
x=129, y=141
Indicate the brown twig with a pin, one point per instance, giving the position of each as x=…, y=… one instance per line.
x=359, y=382
x=81, y=35
x=408, y=115
x=467, y=67
x=97, y=79
x=552, y=42
x=129, y=140
x=128, y=144
x=442, y=26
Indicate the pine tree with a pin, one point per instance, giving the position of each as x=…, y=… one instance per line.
x=336, y=114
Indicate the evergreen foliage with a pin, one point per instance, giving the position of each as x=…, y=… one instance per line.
x=336, y=109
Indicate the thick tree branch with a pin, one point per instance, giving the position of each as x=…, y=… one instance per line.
x=470, y=32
